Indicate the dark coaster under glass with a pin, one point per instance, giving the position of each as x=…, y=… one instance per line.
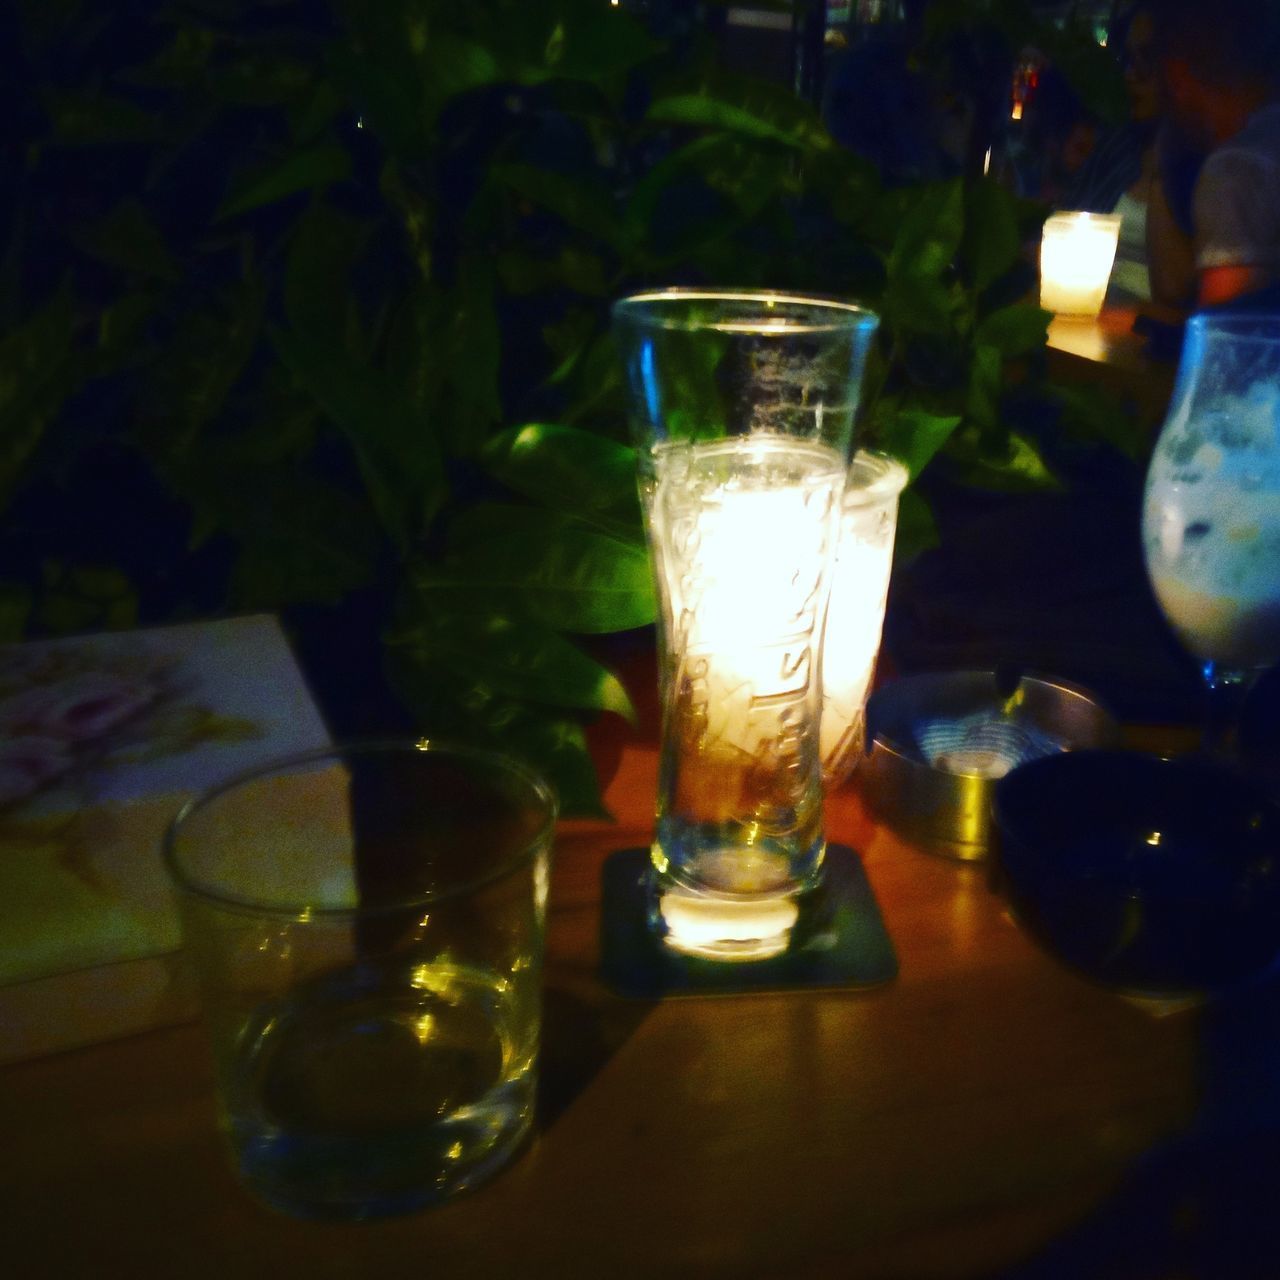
x=839, y=940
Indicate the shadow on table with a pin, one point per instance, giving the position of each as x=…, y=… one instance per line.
x=1206, y=1203
x=579, y=1038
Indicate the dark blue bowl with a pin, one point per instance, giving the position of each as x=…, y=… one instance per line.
x=1150, y=875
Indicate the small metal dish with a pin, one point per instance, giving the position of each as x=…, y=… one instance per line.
x=939, y=742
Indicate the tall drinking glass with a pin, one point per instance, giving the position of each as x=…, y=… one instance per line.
x=1211, y=516
x=742, y=406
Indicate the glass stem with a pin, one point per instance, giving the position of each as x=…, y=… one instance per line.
x=1227, y=688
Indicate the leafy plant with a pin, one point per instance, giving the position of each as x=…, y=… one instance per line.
x=306, y=305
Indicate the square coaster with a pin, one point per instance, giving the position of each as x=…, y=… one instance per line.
x=843, y=944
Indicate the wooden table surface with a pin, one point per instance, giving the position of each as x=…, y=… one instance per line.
x=951, y=1123
x=1106, y=351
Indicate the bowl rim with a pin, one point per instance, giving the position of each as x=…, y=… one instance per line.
x=890, y=742
x=1152, y=763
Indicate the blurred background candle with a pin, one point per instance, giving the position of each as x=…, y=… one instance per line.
x=1077, y=251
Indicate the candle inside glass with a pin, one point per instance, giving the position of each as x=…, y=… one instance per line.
x=1077, y=251
x=743, y=531
x=742, y=405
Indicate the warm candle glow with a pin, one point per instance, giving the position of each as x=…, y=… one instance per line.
x=728, y=929
x=1076, y=255
x=744, y=530
x=742, y=403
x=747, y=591
x=855, y=614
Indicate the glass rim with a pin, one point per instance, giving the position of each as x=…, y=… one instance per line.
x=1072, y=217
x=1247, y=326
x=647, y=310
x=280, y=765
x=890, y=476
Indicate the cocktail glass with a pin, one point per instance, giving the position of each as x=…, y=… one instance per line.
x=1211, y=515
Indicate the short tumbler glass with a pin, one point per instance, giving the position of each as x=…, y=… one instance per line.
x=366, y=925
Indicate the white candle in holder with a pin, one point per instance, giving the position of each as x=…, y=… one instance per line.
x=1077, y=251
x=855, y=615
x=745, y=532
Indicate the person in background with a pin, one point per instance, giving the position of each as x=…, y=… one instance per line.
x=1128, y=174
x=1218, y=65
x=880, y=108
x=1059, y=138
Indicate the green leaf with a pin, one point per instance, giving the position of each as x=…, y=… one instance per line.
x=481, y=522
x=747, y=105
x=300, y=539
x=745, y=174
x=412, y=362
x=986, y=380
x=557, y=748
x=416, y=211
x=594, y=42
x=660, y=177
x=913, y=436
x=453, y=64
x=182, y=62
x=204, y=360
x=709, y=113
x=570, y=470
x=1094, y=413
x=991, y=244
x=516, y=656
x=1017, y=468
x=310, y=115
x=470, y=711
x=261, y=78
x=929, y=236
x=301, y=170
x=586, y=204
x=917, y=530
x=323, y=250
x=850, y=186
x=88, y=597
x=920, y=294
x=399, y=459
x=564, y=573
x=1016, y=330
x=128, y=238
x=95, y=119
x=36, y=376
x=381, y=77
x=575, y=268
x=472, y=358
x=568, y=337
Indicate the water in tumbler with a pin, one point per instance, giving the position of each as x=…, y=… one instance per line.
x=410, y=1083
x=742, y=529
x=1211, y=526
